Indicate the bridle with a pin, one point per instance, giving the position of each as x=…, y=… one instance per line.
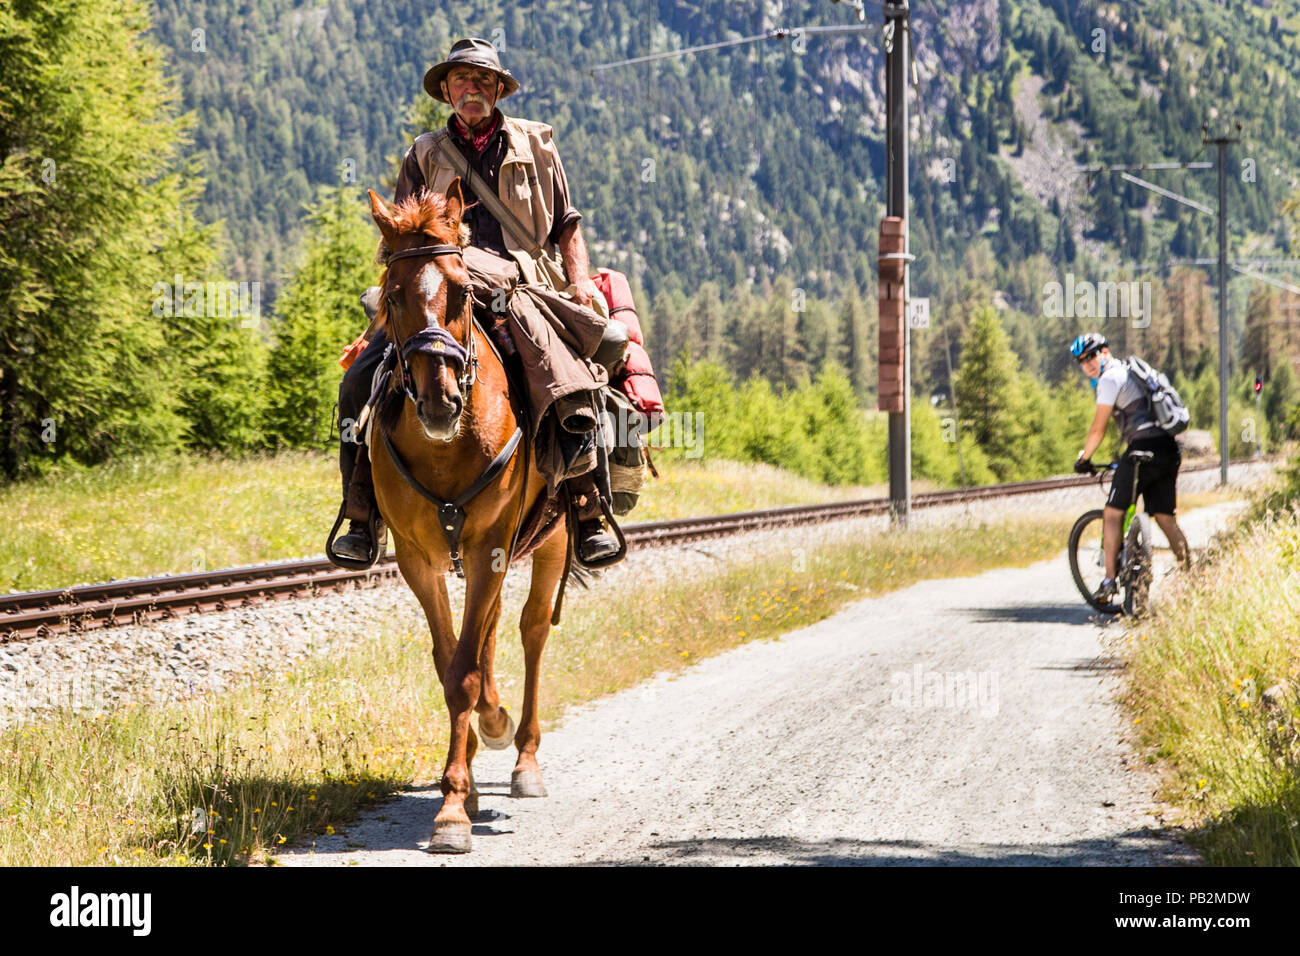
x=434, y=340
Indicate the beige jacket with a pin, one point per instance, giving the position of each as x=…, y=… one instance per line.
x=526, y=185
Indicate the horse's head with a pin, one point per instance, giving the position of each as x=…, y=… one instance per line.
x=425, y=306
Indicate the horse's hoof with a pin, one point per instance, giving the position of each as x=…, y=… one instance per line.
x=506, y=738
x=450, y=837
x=527, y=783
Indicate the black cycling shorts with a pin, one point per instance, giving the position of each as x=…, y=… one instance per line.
x=1157, y=479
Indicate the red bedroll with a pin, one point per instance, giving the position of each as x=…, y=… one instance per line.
x=618, y=295
x=638, y=383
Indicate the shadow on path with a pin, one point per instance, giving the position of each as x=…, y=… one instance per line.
x=1031, y=614
x=1147, y=848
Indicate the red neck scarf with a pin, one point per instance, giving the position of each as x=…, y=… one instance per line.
x=480, y=140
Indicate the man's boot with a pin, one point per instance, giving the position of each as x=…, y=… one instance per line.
x=358, y=502
x=592, y=542
x=356, y=544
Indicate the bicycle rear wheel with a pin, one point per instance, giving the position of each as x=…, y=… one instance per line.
x=1137, y=571
x=1088, y=559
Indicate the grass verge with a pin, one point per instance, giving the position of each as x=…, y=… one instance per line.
x=164, y=515
x=1213, y=679
x=225, y=779
x=194, y=513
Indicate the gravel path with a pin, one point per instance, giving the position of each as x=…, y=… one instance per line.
x=965, y=721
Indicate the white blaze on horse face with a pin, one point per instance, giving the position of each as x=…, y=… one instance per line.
x=430, y=283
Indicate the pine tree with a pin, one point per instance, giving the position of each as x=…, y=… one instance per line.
x=423, y=114
x=994, y=412
x=1190, y=314
x=663, y=331
x=316, y=316
x=1279, y=399
x=94, y=200
x=711, y=320
x=853, y=344
x=1065, y=245
x=814, y=331
x=221, y=353
x=788, y=363
x=1256, y=352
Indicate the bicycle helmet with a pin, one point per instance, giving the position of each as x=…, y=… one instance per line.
x=1086, y=344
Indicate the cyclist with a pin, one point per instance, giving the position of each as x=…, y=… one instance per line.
x=1123, y=396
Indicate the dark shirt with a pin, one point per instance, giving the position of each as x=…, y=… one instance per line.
x=484, y=230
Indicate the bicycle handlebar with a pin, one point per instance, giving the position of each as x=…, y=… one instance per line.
x=1102, y=472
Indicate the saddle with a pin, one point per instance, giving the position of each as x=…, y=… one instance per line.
x=555, y=353
x=359, y=503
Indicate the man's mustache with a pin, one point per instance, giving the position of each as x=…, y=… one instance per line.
x=471, y=98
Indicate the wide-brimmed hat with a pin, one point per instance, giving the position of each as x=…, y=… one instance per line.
x=472, y=51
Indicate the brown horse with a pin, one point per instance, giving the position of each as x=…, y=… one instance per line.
x=447, y=419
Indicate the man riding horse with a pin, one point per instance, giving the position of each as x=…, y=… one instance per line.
x=517, y=163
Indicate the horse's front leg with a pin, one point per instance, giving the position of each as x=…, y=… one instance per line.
x=534, y=628
x=496, y=730
x=429, y=584
x=462, y=685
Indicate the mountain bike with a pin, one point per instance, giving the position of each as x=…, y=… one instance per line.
x=1088, y=554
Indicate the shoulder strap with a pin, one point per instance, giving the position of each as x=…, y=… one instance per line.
x=485, y=195
x=1148, y=376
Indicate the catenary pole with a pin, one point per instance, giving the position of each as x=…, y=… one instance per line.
x=1221, y=214
x=1222, y=143
x=897, y=51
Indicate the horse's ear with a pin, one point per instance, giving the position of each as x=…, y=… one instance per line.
x=382, y=215
x=455, y=207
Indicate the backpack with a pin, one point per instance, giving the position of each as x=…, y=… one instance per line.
x=1170, y=411
x=626, y=448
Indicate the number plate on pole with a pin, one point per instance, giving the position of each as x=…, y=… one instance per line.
x=918, y=314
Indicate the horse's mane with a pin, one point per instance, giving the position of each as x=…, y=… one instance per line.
x=422, y=213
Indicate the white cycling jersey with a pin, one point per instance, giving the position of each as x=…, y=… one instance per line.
x=1132, y=404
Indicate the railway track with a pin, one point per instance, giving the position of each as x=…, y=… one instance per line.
x=47, y=613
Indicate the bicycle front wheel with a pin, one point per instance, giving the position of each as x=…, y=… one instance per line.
x=1137, y=572
x=1088, y=559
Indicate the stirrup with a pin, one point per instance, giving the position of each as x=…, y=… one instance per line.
x=605, y=562
x=378, y=542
